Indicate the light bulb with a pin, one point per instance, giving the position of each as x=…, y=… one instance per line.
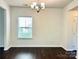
x=32, y=6
x=43, y=5
x=37, y=7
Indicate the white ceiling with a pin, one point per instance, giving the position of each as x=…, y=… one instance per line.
x=49, y=3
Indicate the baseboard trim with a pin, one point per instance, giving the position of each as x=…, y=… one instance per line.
x=35, y=45
x=68, y=49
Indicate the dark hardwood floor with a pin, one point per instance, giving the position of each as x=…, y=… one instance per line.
x=1, y=52
x=36, y=53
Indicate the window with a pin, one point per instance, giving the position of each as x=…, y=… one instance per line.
x=25, y=27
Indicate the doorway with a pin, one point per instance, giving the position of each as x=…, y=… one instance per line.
x=2, y=26
x=73, y=25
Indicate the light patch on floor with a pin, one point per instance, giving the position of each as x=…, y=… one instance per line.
x=24, y=56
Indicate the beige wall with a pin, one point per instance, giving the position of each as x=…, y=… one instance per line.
x=4, y=5
x=47, y=27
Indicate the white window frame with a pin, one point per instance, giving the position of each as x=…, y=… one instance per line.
x=23, y=27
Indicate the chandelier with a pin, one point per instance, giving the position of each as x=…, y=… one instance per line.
x=38, y=6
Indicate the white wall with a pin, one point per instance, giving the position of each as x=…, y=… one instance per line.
x=47, y=27
x=4, y=5
x=69, y=39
